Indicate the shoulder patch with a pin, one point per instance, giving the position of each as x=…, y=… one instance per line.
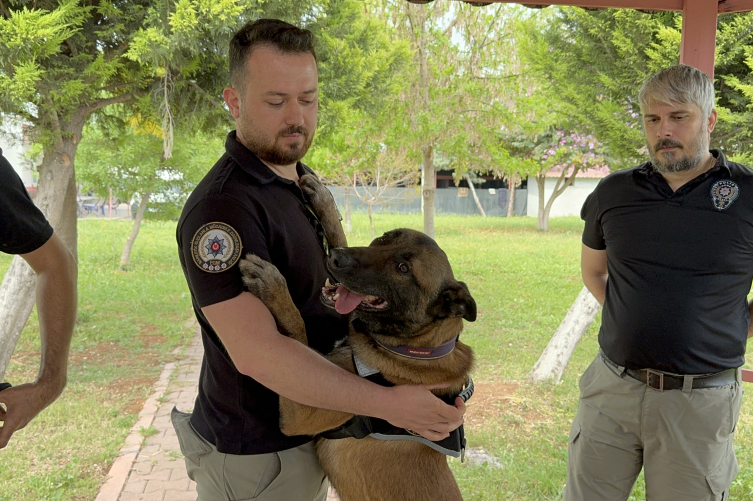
x=723, y=193
x=216, y=247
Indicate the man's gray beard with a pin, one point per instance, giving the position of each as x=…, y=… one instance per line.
x=683, y=164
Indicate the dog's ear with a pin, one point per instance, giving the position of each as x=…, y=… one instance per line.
x=455, y=301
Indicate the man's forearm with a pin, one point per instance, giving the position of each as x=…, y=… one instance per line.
x=56, y=307
x=597, y=285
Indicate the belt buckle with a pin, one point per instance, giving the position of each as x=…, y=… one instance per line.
x=656, y=376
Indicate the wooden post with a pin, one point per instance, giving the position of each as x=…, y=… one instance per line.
x=699, y=34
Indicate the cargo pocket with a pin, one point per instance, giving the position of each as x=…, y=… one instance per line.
x=192, y=445
x=721, y=478
x=574, y=432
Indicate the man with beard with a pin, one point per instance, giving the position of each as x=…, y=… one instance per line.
x=668, y=251
x=250, y=202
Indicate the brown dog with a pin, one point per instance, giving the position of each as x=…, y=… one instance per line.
x=404, y=304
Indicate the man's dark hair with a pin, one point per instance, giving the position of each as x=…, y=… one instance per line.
x=272, y=33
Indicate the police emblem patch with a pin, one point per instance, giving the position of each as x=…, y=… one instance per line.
x=723, y=193
x=216, y=247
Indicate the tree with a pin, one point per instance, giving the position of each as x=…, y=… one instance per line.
x=362, y=67
x=63, y=61
x=130, y=162
x=569, y=152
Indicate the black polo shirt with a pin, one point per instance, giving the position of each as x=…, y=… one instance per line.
x=242, y=207
x=23, y=227
x=680, y=267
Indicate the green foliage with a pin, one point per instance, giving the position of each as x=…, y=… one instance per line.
x=597, y=61
x=129, y=160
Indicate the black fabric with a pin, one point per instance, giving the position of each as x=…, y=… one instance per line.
x=233, y=411
x=362, y=426
x=23, y=227
x=679, y=268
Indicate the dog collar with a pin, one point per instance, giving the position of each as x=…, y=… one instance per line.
x=440, y=351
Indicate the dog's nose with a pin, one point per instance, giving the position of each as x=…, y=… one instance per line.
x=339, y=259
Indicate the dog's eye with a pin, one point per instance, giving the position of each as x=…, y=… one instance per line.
x=403, y=268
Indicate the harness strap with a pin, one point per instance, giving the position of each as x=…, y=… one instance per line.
x=364, y=426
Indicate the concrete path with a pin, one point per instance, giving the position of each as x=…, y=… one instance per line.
x=153, y=469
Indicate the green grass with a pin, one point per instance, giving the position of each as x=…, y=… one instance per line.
x=523, y=281
x=128, y=326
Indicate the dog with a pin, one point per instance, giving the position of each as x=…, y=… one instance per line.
x=406, y=311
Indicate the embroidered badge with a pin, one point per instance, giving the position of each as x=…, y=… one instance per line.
x=723, y=193
x=216, y=247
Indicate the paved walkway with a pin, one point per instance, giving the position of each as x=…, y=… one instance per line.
x=153, y=469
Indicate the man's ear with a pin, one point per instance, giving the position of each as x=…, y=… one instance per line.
x=233, y=101
x=455, y=301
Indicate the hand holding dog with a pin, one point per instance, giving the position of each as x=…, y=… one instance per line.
x=416, y=408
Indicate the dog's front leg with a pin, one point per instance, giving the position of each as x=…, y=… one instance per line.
x=324, y=206
x=263, y=280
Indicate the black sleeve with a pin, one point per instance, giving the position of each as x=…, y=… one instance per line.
x=593, y=235
x=23, y=227
x=216, y=233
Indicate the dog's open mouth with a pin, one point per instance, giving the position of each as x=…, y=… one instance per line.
x=344, y=300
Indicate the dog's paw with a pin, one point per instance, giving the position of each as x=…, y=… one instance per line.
x=262, y=278
x=315, y=191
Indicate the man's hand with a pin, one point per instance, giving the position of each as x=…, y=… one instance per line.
x=20, y=404
x=417, y=409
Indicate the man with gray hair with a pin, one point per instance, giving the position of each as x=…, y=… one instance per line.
x=668, y=251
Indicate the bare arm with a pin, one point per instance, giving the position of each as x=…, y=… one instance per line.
x=293, y=370
x=56, y=306
x=593, y=269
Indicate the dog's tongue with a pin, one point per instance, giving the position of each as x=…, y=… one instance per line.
x=348, y=300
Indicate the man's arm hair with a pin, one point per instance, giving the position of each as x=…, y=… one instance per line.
x=249, y=334
x=593, y=269
x=56, y=291
x=56, y=299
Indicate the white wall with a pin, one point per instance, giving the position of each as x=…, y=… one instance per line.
x=567, y=204
x=13, y=150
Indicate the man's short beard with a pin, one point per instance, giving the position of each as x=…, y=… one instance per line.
x=682, y=164
x=275, y=154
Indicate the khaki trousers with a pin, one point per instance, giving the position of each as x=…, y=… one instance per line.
x=682, y=439
x=290, y=475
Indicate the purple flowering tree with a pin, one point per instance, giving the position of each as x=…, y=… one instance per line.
x=566, y=152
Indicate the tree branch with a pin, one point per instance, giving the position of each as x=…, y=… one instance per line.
x=97, y=105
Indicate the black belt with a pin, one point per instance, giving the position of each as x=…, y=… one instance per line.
x=660, y=381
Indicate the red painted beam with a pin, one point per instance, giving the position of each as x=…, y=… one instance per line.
x=748, y=375
x=699, y=35
x=605, y=4
x=723, y=6
x=728, y=6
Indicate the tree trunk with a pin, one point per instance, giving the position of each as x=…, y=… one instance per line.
x=125, y=258
x=475, y=197
x=428, y=188
x=348, y=227
x=17, y=289
x=56, y=198
x=371, y=221
x=429, y=191
x=543, y=216
x=553, y=361
x=511, y=199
